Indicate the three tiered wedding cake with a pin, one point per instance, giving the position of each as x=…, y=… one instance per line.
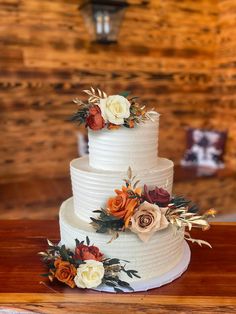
x=140, y=222
x=93, y=182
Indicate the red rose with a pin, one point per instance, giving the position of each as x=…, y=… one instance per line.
x=85, y=252
x=95, y=120
x=157, y=196
x=94, y=110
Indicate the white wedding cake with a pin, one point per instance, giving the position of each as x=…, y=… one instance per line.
x=94, y=178
x=141, y=222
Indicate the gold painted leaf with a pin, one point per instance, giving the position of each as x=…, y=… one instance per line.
x=99, y=92
x=50, y=243
x=114, y=237
x=129, y=173
x=200, y=222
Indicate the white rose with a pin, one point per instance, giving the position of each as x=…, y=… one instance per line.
x=90, y=274
x=147, y=219
x=115, y=109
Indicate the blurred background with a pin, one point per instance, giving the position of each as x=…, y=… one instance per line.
x=178, y=56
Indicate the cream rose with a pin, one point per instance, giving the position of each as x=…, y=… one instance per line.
x=148, y=219
x=115, y=109
x=89, y=275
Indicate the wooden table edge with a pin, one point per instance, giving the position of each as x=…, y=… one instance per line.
x=223, y=223
x=6, y=298
x=55, y=220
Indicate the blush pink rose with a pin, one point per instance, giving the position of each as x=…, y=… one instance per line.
x=148, y=219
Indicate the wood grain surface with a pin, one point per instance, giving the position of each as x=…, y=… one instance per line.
x=34, y=199
x=166, y=54
x=224, y=112
x=208, y=286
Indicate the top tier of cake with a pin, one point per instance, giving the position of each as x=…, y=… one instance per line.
x=116, y=150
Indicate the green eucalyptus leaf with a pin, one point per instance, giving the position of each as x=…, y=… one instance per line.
x=45, y=275
x=136, y=275
x=133, y=98
x=124, y=93
x=77, y=242
x=110, y=284
x=124, y=284
x=118, y=290
x=129, y=274
x=113, y=261
x=87, y=240
x=63, y=253
x=97, y=211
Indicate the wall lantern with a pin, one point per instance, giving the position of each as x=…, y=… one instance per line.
x=103, y=18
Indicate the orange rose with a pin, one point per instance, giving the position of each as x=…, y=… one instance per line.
x=65, y=272
x=116, y=204
x=130, y=207
x=112, y=126
x=122, y=205
x=131, y=124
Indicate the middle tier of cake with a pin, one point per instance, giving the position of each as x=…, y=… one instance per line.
x=92, y=188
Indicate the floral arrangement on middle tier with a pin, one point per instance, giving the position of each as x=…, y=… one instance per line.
x=145, y=212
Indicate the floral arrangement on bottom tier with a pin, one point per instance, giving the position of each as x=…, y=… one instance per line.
x=85, y=267
x=145, y=212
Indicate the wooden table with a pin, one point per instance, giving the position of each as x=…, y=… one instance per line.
x=209, y=285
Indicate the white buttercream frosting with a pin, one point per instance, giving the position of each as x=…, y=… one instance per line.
x=154, y=258
x=94, y=179
x=115, y=150
x=92, y=188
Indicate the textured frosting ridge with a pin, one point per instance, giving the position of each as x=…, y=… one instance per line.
x=94, y=179
x=91, y=189
x=160, y=254
x=115, y=150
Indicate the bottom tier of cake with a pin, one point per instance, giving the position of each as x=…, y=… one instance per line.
x=162, y=253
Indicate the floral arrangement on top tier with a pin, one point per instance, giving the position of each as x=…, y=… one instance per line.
x=111, y=112
x=85, y=267
x=144, y=212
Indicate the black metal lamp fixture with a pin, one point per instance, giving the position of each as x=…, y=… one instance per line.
x=103, y=18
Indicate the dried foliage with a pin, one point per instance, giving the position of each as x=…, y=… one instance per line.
x=112, y=266
x=95, y=96
x=106, y=223
x=180, y=212
x=138, y=113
